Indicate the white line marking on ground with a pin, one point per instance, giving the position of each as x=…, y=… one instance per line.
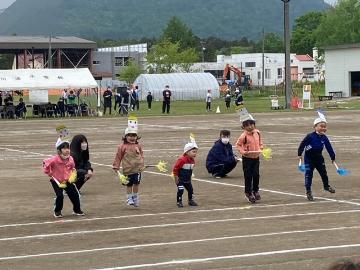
x=232, y=257
x=198, y=211
x=178, y=242
x=166, y=225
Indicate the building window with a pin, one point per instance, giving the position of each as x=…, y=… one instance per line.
x=250, y=64
x=122, y=61
x=279, y=73
x=308, y=72
x=96, y=62
x=267, y=73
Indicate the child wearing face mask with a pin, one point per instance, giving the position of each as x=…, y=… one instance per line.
x=79, y=149
x=221, y=160
x=130, y=155
x=60, y=168
x=313, y=144
x=250, y=145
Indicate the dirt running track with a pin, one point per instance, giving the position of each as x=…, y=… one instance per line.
x=283, y=231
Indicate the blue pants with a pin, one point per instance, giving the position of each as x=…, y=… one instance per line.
x=222, y=169
x=315, y=162
x=188, y=186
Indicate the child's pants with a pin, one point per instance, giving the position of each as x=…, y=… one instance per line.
x=251, y=174
x=317, y=163
x=72, y=193
x=188, y=186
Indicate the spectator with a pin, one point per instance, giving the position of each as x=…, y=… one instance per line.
x=117, y=100
x=166, y=99
x=64, y=95
x=227, y=100
x=20, y=109
x=221, y=159
x=107, y=99
x=8, y=101
x=1, y=99
x=125, y=102
x=71, y=98
x=149, y=99
x=61, y=106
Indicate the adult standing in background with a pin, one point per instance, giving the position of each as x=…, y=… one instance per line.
x=107, y=99
x=166, y=99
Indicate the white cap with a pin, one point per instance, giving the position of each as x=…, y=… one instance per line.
x=245, y=115
x=59, y=142
x=130, y=130
x=319, y=120
x=190, y=146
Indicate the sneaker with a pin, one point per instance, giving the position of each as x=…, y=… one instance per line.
x=57, y=214
x=179, y=204
x=330, y=189
x=130, y=201
x=250, y=198
x=257, y=195
x=80, y=213
x=309, y=195
x=192, y=203
x=136, y=201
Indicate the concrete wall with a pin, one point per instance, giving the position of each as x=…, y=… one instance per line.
x=338, y=64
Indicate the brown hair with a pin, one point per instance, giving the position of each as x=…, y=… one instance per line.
x=345, y=265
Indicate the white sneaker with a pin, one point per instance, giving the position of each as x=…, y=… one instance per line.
x=130, y=201
x=136, y=201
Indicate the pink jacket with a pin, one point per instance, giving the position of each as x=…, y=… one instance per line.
x=250, y=142
x=59, y=168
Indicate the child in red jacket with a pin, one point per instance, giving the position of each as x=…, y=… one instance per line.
x=60, y=169
x=182, y=172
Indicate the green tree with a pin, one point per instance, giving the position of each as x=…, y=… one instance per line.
x=272, y=44
x=177, y=31
x=340, y=25
x=6, y=61
x=130, y=73
x=303, y=36
x=166, y=57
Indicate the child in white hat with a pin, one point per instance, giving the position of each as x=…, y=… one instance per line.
x=61, y=168
x=249, y=145
x=313, y=144
x=130, y=155
x=183, y=170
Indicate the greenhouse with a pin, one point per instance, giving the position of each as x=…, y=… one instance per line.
x=183, y=86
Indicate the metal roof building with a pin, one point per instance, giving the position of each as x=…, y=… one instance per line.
x=35, y=51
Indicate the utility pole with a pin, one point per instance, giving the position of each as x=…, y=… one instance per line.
x=49, y=54
x=263, y=60
x=287, y=54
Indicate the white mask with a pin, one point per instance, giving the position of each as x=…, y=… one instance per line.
x=225, y=140
x=84, y=146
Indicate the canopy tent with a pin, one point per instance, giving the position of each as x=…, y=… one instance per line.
x=44, y=79
x=183, y=86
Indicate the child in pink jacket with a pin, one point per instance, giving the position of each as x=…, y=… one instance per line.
x=250, y=145
x=59, y=168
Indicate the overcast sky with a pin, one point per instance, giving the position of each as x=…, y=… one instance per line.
x=6, y=3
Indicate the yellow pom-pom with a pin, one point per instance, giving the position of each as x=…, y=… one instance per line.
x=123, y=179
x=161, y=166
x=73, y=177
x=63, y=185
x=267, y=153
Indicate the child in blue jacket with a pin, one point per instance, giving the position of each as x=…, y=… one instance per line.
x=313, y=145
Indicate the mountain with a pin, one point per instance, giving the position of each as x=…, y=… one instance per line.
x=125, y=19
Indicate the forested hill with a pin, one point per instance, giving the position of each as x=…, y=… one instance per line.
x=124, y=19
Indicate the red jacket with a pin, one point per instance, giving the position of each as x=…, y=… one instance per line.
x=59, y=168
x=183, y=168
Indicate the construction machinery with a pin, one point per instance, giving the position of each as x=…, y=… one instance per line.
x=242, y=80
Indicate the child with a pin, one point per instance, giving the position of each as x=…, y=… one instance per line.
x=130, y=156
x=60, y=168
x=182, y=172
x=79, y=149
x=313, y=145
x=149, y=99
x=250, y=145
x=227, y=99
x=208, y=100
